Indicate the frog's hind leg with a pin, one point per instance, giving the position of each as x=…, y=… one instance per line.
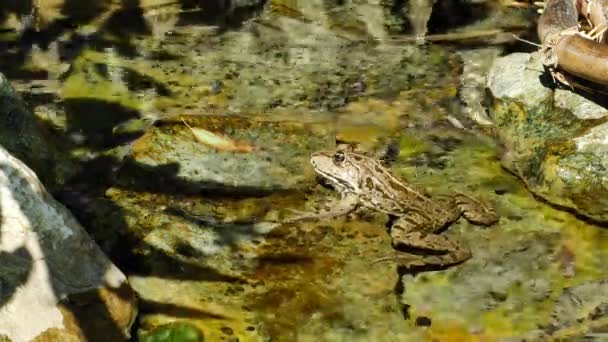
x=411, y=231
x=415, y=261
x=475, y=211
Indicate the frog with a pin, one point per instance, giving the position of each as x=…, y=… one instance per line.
x=417, y=217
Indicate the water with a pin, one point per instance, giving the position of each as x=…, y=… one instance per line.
x=120, y=87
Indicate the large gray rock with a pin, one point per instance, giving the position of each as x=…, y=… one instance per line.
x=555, y=139
x=55, y=283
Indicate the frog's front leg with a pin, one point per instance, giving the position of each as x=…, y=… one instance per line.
x=346, y=204
x=410, y=231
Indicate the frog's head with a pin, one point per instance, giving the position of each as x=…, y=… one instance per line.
x=342, y=169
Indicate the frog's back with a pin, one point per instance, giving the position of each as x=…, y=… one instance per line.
x=381, y=190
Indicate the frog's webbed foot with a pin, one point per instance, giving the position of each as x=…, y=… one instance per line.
x=475, y=211
x=328, y=210
x=409, y=231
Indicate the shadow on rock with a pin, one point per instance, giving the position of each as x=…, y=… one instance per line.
x=85, y=312
x=94, y=121
x=134, y=80
x=224, y=14
x=84, y=195
x=158, y=263
x=228, y=233
x=451, y=14
x=164, y=179
x=17, y=7
x=124, y=23
x=15, y=268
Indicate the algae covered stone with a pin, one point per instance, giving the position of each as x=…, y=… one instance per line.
x=532, y=275
x=555, y=139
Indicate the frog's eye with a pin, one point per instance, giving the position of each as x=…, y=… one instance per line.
x=338, y=157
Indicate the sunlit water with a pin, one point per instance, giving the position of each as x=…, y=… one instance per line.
x=193, y=125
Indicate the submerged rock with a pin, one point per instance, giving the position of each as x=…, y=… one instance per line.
x=233, y=276
x=583, y=311
x=214, y=263
x=555, y=139
x=208, y=263
x=523, y=269
x=477, y=62
x=55, y=283
x=227, y=154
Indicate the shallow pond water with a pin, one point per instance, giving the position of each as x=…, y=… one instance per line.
x=188, y=127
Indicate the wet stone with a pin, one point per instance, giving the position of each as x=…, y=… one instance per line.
x=554, y=138
x=238, y=154
x=525, y=270
x=306, y=281
x=194, y=223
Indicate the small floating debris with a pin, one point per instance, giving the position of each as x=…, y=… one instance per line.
x=455, y=122
x=218, y=141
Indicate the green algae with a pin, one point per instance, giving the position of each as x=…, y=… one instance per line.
x=177, y=332
x=539, y=250
x=315, y=281
x=87, y=82
x=412, y=144
x=293, y=283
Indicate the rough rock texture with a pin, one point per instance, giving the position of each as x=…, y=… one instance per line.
x=555, y=139
x=583, y=310
x=55, y=282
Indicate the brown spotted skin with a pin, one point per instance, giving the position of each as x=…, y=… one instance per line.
x=364, y=181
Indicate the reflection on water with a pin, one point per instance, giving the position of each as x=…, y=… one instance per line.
x=117, y=84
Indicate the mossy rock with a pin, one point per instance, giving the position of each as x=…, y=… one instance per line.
x=554, y=138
